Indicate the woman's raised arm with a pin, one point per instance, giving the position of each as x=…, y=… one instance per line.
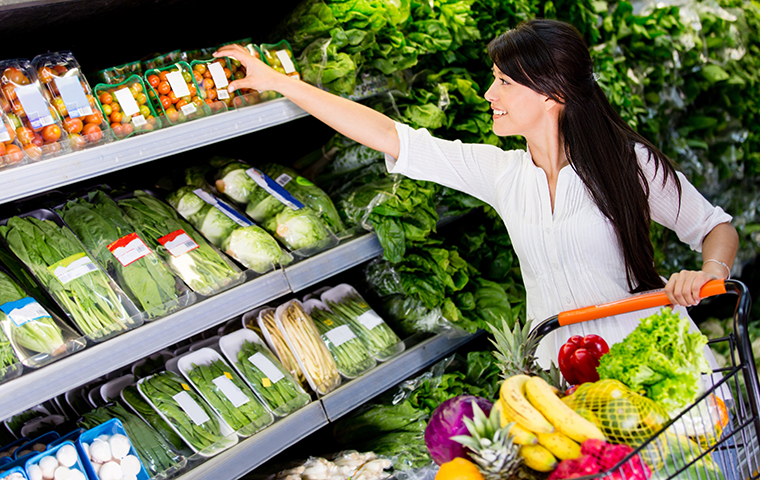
x=354, y=120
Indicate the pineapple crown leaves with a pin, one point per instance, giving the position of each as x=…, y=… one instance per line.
x=484, y=431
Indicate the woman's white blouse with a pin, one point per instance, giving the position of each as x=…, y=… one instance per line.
x=569, y=258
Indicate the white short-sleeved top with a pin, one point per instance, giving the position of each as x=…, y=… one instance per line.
x=570, y=258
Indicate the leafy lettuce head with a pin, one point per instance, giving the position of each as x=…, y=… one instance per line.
x=186, y=202
x=300, y=228
x=254, y=248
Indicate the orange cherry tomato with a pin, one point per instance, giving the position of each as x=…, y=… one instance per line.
x=115, y=107
x=96, y=118
x=127, y=129
x=34, y=152
x=51, y=133
x=25, y=135
x=164, y=87
x=142, y=99
x=172, y=114
x=46, y=74
x=106, y=98
x=162, y=75
x=153, y=80
x=92, y=132
x=77, y=141
x=181, y=103
x=173, y=97
x=73, y=125
x=116, y=117
x=13, y=154
x=10, y=92
x=2, y=150
x=166, y=102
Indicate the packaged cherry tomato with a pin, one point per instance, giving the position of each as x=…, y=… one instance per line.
x=280, y=57
x=66, y=88
x=126, y=107
x=175, y=93
x=11, y=152
x=213, y=77
x=200, y=54
x=38, y=127
x=160, y=61
x=119, y=73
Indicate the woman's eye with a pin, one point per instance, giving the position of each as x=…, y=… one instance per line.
x=503, y=82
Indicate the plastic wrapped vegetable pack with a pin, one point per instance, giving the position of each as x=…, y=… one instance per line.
x=227, y=394
x=132, y=398
x=9, y=362
x=352, y=309
x=119, y=248
x=199, y=264
x=248, y=243
x=307, y=346
x=263, y=372
x=186, y=413
x=276, y=340
x=155, y=453
x=60, y=263
x=292, y=220
x=34, y=335
x=349, y=353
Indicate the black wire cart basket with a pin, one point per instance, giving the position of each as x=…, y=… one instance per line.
x=716, y=437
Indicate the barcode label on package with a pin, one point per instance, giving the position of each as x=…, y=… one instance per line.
x=129, y=249
x=370, y=319
x=191, y=408
x=126, y=101
x=218, y=76
x=287, y=63
x=228, y=211
x=177, y=82
x=339, y=336
x=24, y=310
x=260, y=361
x=231, y=391
x=274, y=189
x=34, y=105
x=72, y=268
x=73, y=96
x=178, y=243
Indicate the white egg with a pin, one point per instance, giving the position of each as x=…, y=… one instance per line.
x=62, y=473
x=34, y=471
x=119, y=445
x=130, y=465
x=67, y=455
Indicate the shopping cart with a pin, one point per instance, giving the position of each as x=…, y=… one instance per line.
x=726, y=449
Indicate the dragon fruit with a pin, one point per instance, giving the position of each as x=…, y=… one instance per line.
x=598, y=456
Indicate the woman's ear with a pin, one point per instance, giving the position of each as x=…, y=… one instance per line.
x=549, y=104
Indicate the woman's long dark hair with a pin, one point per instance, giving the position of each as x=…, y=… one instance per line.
x=551, y=58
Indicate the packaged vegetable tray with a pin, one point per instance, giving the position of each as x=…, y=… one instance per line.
x=229, y=230
x=280, y=57
x=108, y=452
x=200, y=265
x=126, y=107
x=257, y=365
x=350, y=354
x=119, y=73
x=60, y=263
x=155, y=453
x=276, y=341
x=121, y=250
x=225, y=391
x=346, y=303
x=38, y=126
x=174, y=92
x=187, y=414
x=160, y=60
x=132, y=399
x=36, y=335
x=212, y=78
x=293, y=221
x=66, y=88
x=64, y=456
x=309, y=350
x=11, y=152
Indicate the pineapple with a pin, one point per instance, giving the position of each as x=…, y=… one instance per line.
x=492, y=449
x=516, y=354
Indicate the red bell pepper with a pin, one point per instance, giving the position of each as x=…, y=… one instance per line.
x=579, y=357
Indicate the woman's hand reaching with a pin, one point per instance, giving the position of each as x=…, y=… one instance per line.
x=683, y=287
x=259, y=76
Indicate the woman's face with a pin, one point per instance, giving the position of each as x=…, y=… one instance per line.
x=517, y=110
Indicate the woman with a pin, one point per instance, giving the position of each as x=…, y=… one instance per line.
x=581, y=233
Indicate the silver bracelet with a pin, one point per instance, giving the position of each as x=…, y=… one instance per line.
x=719, y=263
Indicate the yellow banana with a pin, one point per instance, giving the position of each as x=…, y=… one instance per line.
x=538, y=458
x=519, y=435
x=560, y=445
x=519, y=409
x=540, y=395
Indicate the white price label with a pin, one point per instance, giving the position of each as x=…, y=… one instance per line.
x=339, y=336
x=191, y=408
x=222, y=94
x=129, y=249
x=231, y=391
x=218, y=76
x=4, y=135
x=139, y=121
x=72, y=268
x=24, y=310
x=260, y=361
x=370, y=319
x=126, y=101
x=287, y=63
x=188, y=109
x=74, y=96
x=283, y=179
x=35, y=106
x=178, y=84
x=178, y=243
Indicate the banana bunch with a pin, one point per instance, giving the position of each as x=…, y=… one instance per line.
x=546, y=429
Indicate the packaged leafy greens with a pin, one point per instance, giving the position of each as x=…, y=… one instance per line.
x=187, y=413
x=276, y=341
x=225, y=391
x=350, y=308
x=349, y=353
x=10, y=366
x=59, y=261
x=199, y=264
x=120, y=249
x=263, y=372
x=240, y=238
x=132, y=399
x=34, y=335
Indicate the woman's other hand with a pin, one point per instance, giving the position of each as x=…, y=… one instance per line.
x=259, y=76
x=683, y=287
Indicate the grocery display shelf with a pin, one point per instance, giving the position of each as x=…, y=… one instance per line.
x=42, y=176
x=253, y=452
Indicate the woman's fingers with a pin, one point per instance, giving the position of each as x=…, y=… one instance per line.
x=683, y=287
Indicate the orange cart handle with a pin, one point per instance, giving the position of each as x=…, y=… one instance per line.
x=632, y=304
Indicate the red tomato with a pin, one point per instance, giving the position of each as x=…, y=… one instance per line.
x=117, y=129
x=46, y=74
x=172, y=114
x=92, y=132
x=14, y=75
x=153, y=80
x=25, y=135
x=116, y=117
x=181, y=103
x=38, y=140
x=95, y=118
x=173, y=97
x=34, y=152
x=77, y=141
x=73, y=125
x=164, y=88
x=60, y=69
x=128, y=129
x=2, y=149
x=51, y=133
x=13, y=154
x=105, y=98
x=162, y=75
x=166, y=102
